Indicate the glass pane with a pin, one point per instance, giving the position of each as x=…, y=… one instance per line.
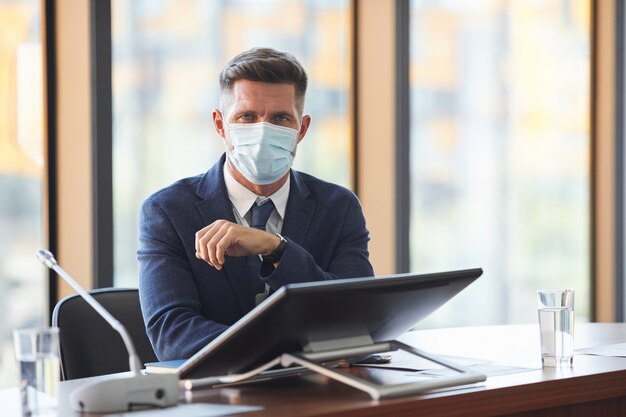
x=500, y=110
x=166, y=58
x=23, y=295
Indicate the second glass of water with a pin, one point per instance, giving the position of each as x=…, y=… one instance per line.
x=556, y=324
x=37, y=353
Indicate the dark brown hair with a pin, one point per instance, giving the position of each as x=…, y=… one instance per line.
x=267, y=65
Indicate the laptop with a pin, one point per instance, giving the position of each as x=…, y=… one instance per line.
x=306, y=317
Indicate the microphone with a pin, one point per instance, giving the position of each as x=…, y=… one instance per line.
x=118, y=392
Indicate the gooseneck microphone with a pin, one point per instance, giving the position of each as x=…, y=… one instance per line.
x=47, y=259
x=117, y=392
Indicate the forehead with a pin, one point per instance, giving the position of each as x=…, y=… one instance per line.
x=262, y=96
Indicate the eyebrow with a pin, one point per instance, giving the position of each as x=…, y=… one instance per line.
x=244, y=112
x=283, y=114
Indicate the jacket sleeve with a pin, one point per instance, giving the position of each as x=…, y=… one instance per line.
x=349, y=259
x=169, y=297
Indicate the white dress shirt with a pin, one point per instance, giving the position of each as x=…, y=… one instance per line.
x=242, y=199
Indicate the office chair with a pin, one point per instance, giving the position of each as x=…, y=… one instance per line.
x=89, y=346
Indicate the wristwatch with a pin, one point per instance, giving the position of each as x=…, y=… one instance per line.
x=274, y=257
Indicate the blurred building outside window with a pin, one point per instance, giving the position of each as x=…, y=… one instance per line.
x=500, y=152
x=23, y=294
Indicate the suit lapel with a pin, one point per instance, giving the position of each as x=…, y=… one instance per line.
x=299, y=211
x=215, y=205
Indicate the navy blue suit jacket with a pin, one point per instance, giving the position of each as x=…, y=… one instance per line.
x=186, y=303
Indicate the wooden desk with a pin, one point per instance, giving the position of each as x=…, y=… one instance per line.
x=595, y=386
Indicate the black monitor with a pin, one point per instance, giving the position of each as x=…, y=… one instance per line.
x=299, y=316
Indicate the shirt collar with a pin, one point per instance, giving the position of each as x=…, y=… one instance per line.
x=242, y=198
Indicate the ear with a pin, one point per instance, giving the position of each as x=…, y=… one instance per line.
x=218, y=122
x=306, y=121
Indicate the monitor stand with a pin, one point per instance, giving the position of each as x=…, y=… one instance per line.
x=321, y=357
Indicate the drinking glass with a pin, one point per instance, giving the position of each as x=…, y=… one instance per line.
x=556, y=324
x=37, y=353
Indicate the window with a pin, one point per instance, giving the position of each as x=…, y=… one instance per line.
x=500, y=152
x=166, y=58
x=22, y=279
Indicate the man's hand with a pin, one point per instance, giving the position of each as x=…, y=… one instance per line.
x=222, y=238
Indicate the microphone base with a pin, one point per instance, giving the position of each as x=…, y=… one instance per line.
x=126, y=392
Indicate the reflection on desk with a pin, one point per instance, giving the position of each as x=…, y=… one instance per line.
x=594, y=386
x=191, y=410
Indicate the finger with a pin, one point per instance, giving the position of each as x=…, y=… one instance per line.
x=197, y=245
x=200, y=253
x=202, y=237
x=227, y=241
x=218, y=245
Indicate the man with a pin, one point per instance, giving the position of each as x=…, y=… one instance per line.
x=213, y=246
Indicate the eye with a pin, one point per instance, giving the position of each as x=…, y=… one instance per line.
x=281, y=118
x=246, y=117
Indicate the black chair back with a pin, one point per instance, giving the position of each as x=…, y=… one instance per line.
x=89, y=346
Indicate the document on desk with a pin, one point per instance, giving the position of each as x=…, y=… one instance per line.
x=11, y=401
x=486, y=369
x=615, y=349
x=423, y=368
x=405, y=361
x=191, y=410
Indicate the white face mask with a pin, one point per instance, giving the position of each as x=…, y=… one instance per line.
x=262, y=152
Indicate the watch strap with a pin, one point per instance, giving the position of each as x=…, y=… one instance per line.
x=276, y=253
